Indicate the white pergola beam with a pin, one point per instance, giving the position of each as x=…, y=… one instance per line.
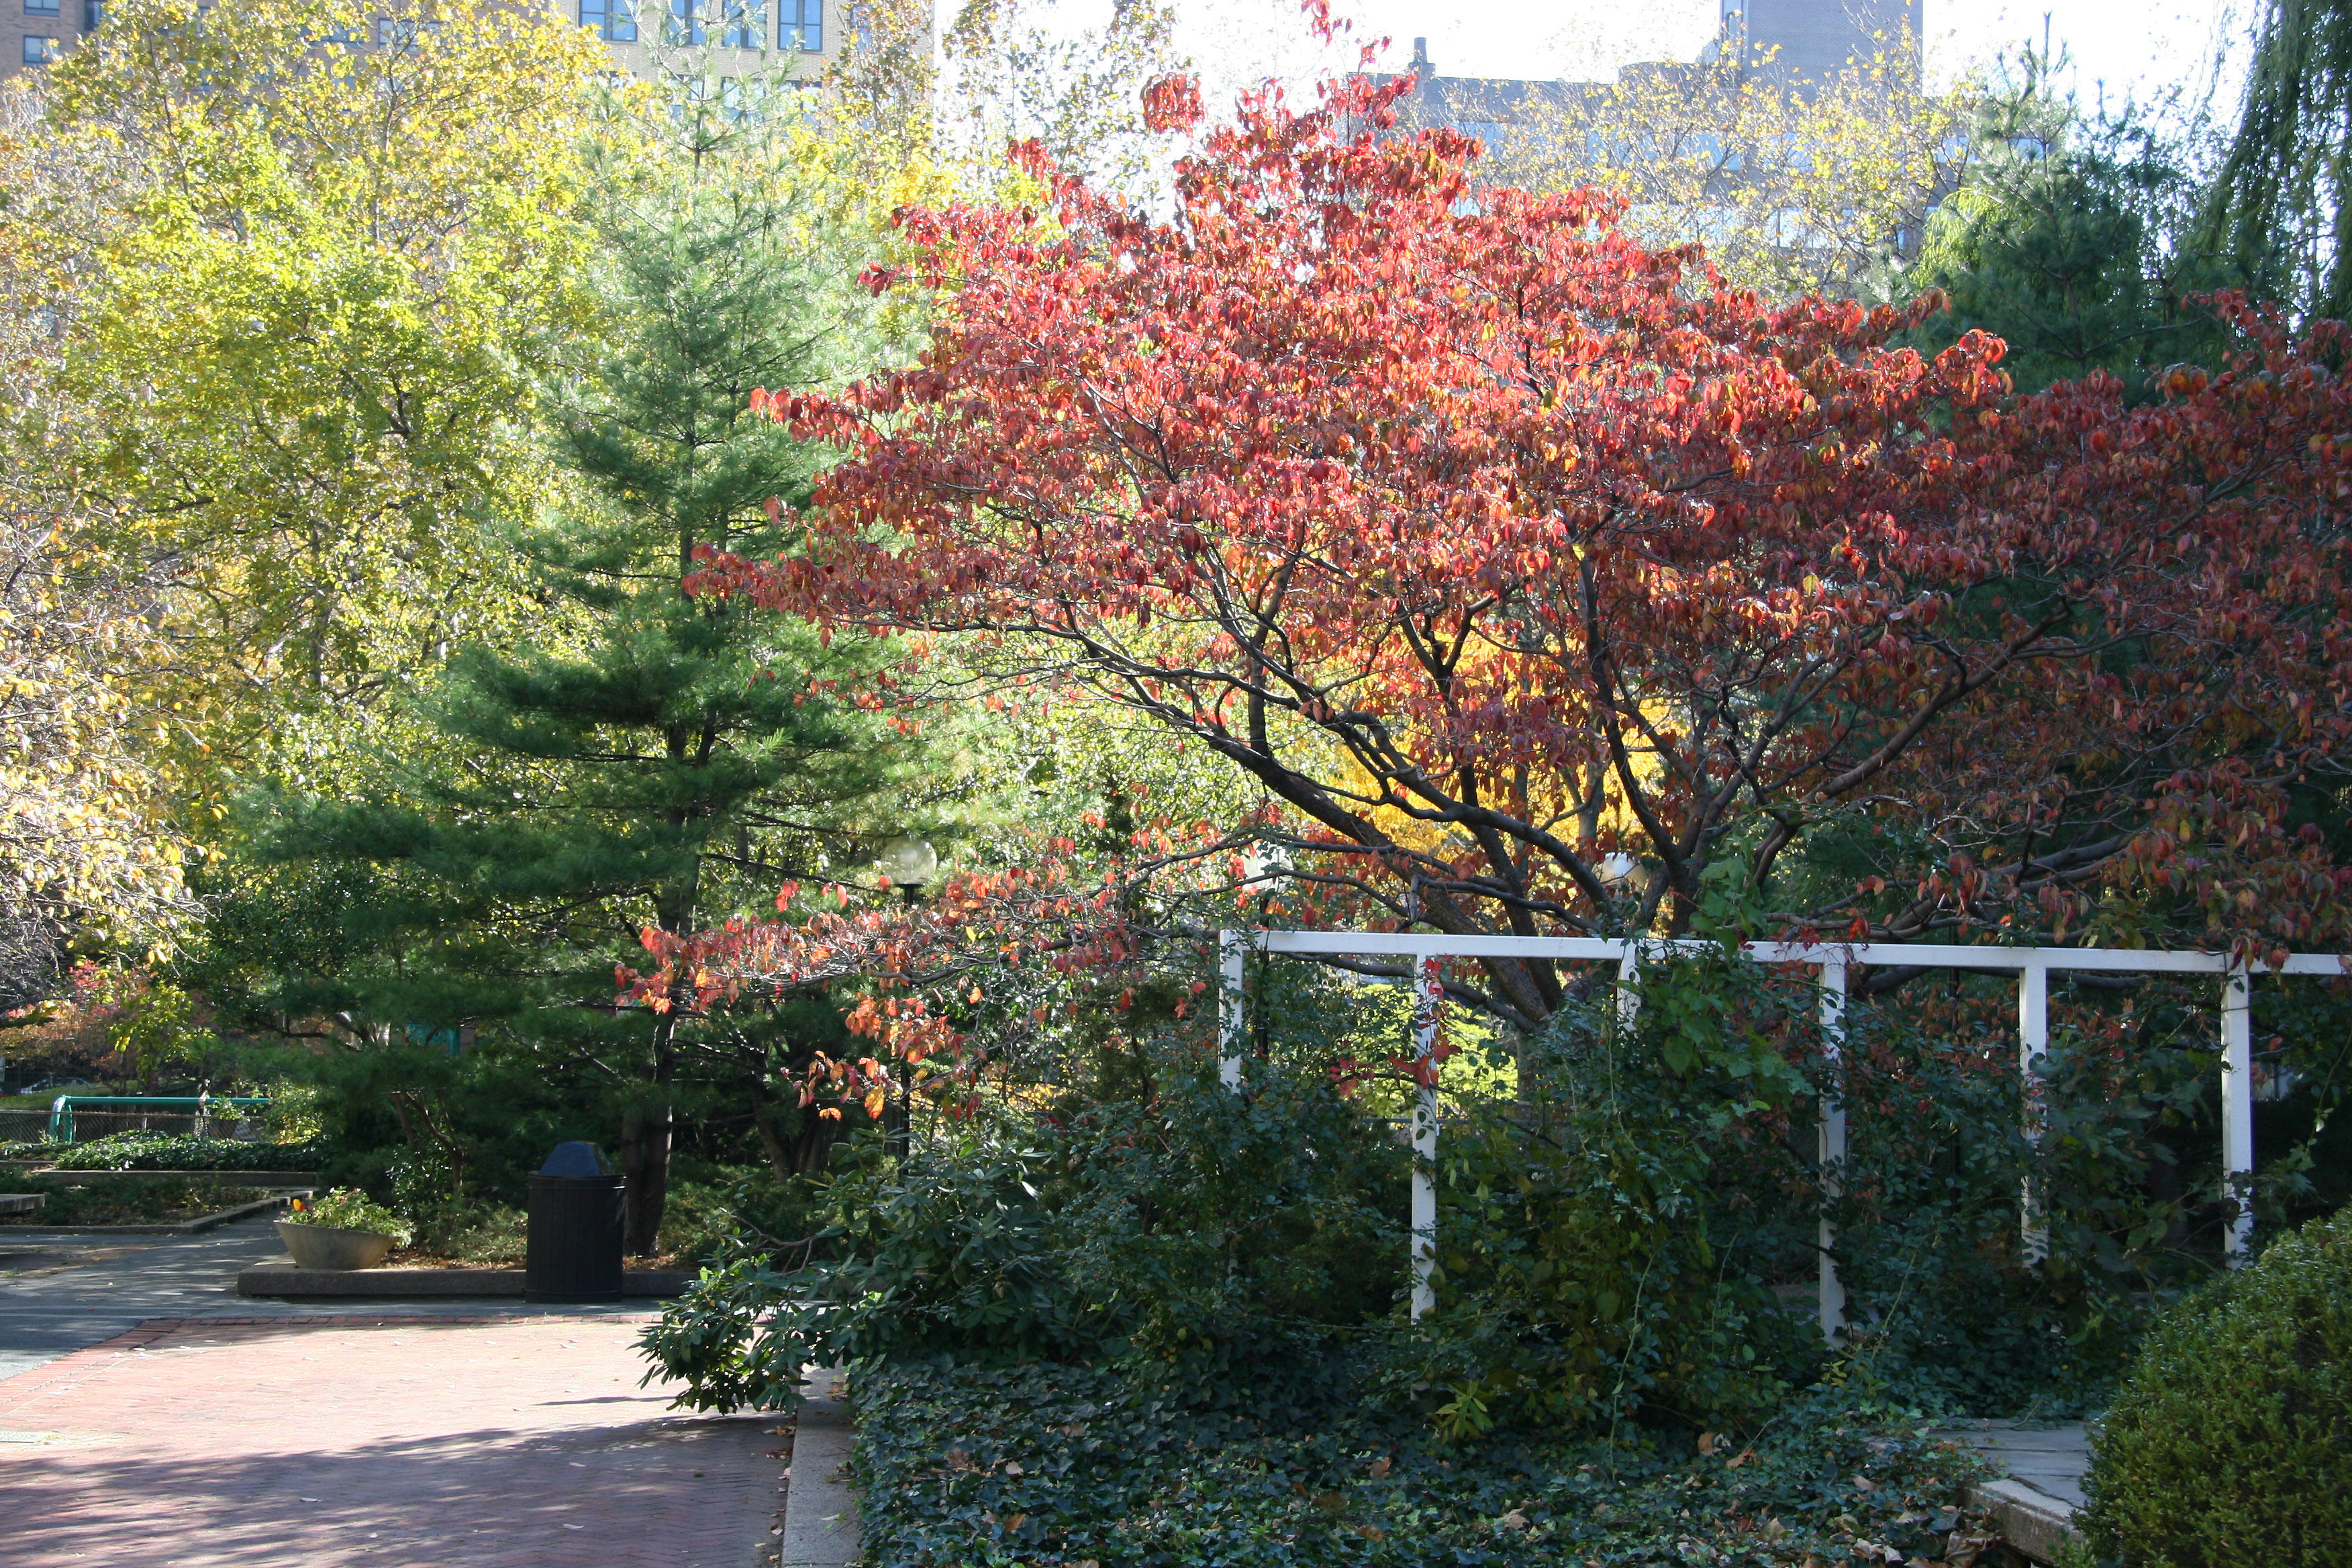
x=1916, y=956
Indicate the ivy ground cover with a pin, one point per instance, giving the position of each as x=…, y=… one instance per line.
x=962, y=1463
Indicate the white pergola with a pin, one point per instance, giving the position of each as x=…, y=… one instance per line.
x=2032, y=965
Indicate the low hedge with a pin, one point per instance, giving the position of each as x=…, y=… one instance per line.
x=169, y=1151
x=976, y=1465
x=2230, y=1440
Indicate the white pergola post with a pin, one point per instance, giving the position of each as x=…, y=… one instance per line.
x=2238, y=1110
x=2033, y=1043
x=1833, y=1140
x=1233, y=1016
x=1428, y=992
x=2032, y=965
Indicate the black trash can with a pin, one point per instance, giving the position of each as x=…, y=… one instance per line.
x=573, y=1245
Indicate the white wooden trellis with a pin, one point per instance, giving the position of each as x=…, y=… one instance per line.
x=2032, y=965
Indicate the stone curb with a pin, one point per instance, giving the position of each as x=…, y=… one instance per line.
x=418, y=1284
x=73, y=1178
x=195, y=1226
x=820, y=1506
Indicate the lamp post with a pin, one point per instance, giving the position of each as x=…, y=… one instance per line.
x=909, y=863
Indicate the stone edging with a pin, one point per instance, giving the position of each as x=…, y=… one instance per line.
x=285, y=1281
x=820, y=1506
x=74, y=1178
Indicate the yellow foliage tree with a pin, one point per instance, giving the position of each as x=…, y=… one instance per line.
x=1795, y=185
x=304, y=264
x=86, y=842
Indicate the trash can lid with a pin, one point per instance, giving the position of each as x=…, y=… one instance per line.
x=575, y=1160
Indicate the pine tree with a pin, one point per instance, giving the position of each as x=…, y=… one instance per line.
x=2061, y=244
x=663, y=761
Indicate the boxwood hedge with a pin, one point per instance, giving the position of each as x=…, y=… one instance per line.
x=2230, y=1441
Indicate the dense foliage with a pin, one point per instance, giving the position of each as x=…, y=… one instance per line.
x=1627, y=1212
x=653, y=761
x=2230, y=1439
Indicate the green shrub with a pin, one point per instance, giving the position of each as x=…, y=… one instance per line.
x=2230, y=1441
x=497, y=1235
x=1200, y=1231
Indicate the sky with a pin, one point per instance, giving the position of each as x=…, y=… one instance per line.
x=2143, y=49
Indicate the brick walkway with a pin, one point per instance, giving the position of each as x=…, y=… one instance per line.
x=392, y=1443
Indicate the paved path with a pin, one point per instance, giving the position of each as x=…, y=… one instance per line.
x=424, y=1443
x=231, y=1433
x=60, y=1293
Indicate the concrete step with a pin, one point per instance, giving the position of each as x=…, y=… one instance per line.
x=2033, y=1502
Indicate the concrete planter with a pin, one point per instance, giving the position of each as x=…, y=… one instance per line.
x=329, y=1246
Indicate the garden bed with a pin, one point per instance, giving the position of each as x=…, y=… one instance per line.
x=1063, y=1465
x=140, y=1201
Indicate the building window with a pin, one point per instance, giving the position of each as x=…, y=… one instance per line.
x=93, y=12
x=40, y=7
x=611, y=20
x=685, y=23
x=799, y=25
x=745, y=24
x=40, y=51
x=402, y=32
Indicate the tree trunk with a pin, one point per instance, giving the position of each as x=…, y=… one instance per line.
x=813, y=1148
x=645, y=1161
x=644, y=1150
x=771, y=1138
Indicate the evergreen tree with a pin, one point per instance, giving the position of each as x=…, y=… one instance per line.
x=662, y=761
x=2063, y=244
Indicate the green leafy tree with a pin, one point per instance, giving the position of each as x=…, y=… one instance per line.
x=685, y=757
x=2274, y=212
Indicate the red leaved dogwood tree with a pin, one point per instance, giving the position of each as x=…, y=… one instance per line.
x=1533, y=575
